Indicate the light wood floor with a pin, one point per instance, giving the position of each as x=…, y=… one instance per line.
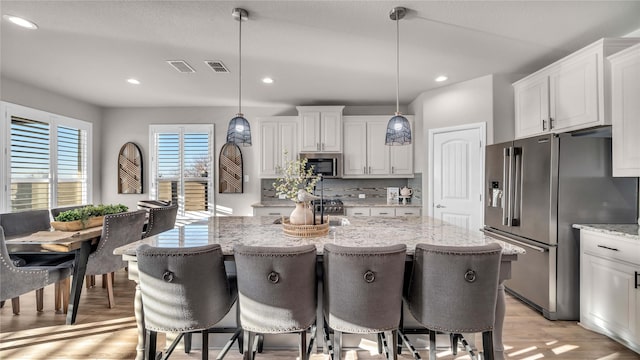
x=102, y=333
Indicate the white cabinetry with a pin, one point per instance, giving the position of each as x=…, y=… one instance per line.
x=358, y=211
x=609, y=286
x=383, y=211
x=321, y=128
x=272, y=211
x=366, y=155
x=570, y=94
x=625, y=111
x=277, y=134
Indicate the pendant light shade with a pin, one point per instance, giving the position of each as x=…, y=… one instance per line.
x=239, y=131
x=398, y=128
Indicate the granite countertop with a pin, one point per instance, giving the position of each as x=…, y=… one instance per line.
x=629, y=231
x=360, y=231
x=346, y=203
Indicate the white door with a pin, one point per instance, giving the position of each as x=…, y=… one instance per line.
x=457, y=173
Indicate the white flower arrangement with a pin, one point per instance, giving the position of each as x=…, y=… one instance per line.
x=295, y=176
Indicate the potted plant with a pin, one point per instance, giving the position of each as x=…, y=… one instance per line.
x=296, y=176
x=85, y=217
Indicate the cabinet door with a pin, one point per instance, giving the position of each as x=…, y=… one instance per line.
x=310, y=131
x=269, y=151
x=358, y=211
x=625, y=108
x=607, y=293
x=331, y=131
x=532, y=106
x=412, y=211
x=272, y=211
x=401, y=159
x=355, y=148
x=574, y=93
x=288, y=140
x=377, y=151
x=383, y=211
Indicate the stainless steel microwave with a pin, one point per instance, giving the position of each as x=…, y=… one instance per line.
x=327, y=164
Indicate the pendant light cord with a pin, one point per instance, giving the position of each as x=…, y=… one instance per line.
x=240, y=65
x=397, y=64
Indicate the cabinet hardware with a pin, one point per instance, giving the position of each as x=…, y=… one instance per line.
x=384, y=213
x=358, y=213
x=440, y=206
x=393, y=170
x=364, y=170
x=369, y=169
x=544, y=125
x=550, y=123
x=636, y=282
x=318, y=146
x=322, y=146
x=608, y=248
x=274, y=213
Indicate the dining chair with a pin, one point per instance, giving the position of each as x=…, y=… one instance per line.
x=277, y=293
x=363, y=293
x=117, y=230
x=160, y=219
x=453, y=289
x=177, y=298
x=20, y=280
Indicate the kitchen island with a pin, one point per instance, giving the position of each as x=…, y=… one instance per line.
x=352, y=231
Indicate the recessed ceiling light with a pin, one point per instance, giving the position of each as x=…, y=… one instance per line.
x=133, y=81
x=441, y=78
x=21, y=22
x=267, y=80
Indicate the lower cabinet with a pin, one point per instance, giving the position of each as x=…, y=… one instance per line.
x=272, y=211
x=383, y=211
x=610, y=286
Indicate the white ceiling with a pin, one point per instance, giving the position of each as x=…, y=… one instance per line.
x=318, y=52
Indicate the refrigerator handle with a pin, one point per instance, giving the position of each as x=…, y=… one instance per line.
x=517, y=187
x=505, y=186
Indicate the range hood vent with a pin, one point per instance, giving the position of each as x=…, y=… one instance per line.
x=217, y=66
x=181, y=66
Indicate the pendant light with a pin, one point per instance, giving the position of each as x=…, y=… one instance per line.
x=239, y=131
x=398, y=128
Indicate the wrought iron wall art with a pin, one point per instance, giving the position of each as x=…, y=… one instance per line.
x=130, y=169
x=230, y=169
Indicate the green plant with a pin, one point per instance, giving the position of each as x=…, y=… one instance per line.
x=295, y=176
x=84, y=213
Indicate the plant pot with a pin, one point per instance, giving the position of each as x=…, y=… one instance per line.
x=301, y=215
x=78, y=224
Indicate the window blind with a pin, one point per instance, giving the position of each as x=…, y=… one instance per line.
x=30, y=157
x=72, y=166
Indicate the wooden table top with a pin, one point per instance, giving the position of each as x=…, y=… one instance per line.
x=53, y=240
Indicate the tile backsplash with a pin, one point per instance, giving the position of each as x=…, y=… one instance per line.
x=349, y=189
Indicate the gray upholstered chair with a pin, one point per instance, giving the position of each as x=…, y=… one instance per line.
x=117, y=230
x=184, y=290
x=25, y=222
x=20, y=280
x=160, y=219
x=454, y=290
x=363, y=292
x=276, y=293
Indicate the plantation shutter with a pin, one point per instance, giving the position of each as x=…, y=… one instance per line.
x=168, y=166
x=196, y=171
x=72, y=166
x=30, y=140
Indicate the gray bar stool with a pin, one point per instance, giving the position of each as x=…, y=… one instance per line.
x=276, y=293
x=184, y=290
x=454, y=289
x=363, y=292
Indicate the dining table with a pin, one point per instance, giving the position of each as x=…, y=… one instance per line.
x=347, y=231
x=55, y=242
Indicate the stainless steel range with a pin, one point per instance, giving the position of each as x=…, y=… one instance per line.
x=331, y=206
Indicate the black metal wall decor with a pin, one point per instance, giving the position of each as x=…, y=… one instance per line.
x=130, y=169
x=230, y=169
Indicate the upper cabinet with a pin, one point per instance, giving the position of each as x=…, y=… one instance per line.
x=366, y=155
x=277, y=134
x=321, y=128
x=570, y=94
x=625, y=111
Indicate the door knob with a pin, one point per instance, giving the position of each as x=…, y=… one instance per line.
x=440, y=206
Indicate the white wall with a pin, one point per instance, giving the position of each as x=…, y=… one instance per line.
x=486, y=99
x=36, y=98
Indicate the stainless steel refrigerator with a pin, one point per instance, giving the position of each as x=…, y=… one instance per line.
x=536, y=189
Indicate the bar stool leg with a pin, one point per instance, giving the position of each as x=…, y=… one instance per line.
x=205, y=345
x=337, y=345
x=303, y=345
x=432, y=345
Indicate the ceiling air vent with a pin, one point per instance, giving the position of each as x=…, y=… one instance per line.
x=217, y=66
x=181, y=66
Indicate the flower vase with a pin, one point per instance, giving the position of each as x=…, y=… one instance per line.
x=301, y=215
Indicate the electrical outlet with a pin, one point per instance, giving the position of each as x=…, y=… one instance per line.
x=361, y=196
x=282, y=196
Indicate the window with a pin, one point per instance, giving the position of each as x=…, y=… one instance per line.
x=181, y=166
x=46, y=162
